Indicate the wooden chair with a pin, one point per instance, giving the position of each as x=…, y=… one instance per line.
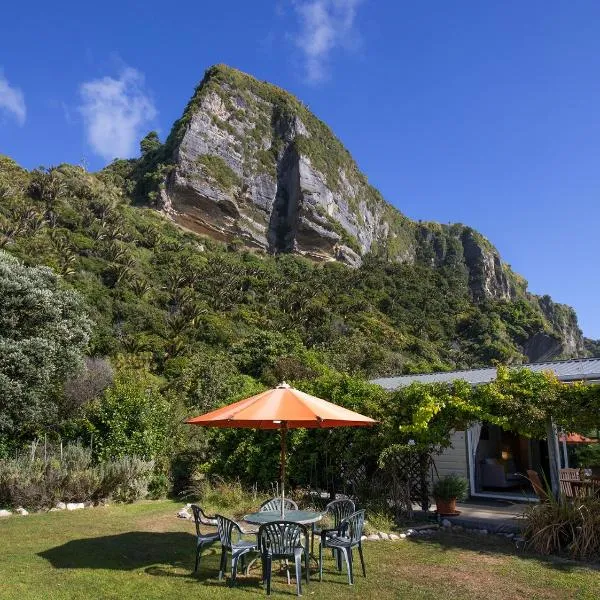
x=538, y=486
x=566, y=477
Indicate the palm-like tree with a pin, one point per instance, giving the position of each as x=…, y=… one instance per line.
x=48, y=187
x=140, y=287
x=114, y=252
x=122, y=269
x=8, y=232
x=67, y=258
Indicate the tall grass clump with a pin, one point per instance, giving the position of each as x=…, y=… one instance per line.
x=565, y=527
x=229, y=497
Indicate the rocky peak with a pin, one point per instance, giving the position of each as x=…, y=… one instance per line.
x=249, y=162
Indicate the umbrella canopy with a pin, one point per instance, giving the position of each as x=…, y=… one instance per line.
x=577, y=438
x=282, y=408
x=282, y=405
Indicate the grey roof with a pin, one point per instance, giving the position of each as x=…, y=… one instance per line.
x=577, y=369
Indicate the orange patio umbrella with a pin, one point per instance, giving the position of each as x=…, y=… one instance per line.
x=282, y=408
x=577, y=438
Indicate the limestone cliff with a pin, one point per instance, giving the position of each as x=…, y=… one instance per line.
x=249, y=162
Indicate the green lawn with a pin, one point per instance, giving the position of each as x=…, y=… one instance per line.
x=142, y=551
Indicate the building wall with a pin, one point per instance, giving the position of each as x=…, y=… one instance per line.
x=454, y=458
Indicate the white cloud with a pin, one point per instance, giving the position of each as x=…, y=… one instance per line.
x=324, y=25
x=115, y=111
x=12, y=100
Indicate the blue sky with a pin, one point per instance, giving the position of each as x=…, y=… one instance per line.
x=487, y=113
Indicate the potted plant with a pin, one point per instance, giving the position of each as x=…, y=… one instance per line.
x=446, y=491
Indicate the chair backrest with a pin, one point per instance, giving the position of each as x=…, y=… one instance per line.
x=339, y=510
x=537, y=485
x=280, y=538
x=200, y=518
x=352, y=526
x=565, y=477
x=274, y=504
x=570, y=474
x=229, y=531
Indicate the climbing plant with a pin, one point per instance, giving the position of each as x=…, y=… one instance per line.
x=518, y=400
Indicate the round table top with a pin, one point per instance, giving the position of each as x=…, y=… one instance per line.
x=304, y=517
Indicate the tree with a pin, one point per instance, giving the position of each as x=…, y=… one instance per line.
x=44, y=332
x=150, y=143
x=133, y=418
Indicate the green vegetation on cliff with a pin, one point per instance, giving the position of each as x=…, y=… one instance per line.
x=155, y=290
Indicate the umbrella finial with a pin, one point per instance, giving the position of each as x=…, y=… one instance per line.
x=283, y=386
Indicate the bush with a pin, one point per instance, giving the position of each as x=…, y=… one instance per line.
x=379, y=521
x=30, y=483
x=574, y=527
x=159, y=486
x=230, y=498
x=133, y=418
x=451, y=487
x=36, y=482
x=125, y=479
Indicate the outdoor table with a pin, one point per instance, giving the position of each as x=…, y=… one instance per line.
x=586, y=487
x=303, y=517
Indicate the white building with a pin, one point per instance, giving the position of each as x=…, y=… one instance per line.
x=493, y=460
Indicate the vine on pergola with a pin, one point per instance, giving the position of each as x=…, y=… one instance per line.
x=518, y=400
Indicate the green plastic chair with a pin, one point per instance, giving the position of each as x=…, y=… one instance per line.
x=231, y=534
x=283, y=540
x=274, y=504
x=203, y=539
x=344, y=541
x=339, y=510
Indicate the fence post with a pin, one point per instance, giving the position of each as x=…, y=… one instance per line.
x=423, y=468
x=553, y=456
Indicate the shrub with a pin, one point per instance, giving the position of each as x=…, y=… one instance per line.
x=574, y=527
x=125, y=479
x=30, y=483
x=36, y=482
x=79, y=479
x=132, y=418
x=159, y=486
x=379, y=521
x=229, y=497
x=215, y=167
x=450, y=487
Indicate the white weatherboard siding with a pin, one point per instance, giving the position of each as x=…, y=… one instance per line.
x=454, y=458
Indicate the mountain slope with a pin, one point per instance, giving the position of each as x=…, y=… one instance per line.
x=217, y=296
x=249, y=163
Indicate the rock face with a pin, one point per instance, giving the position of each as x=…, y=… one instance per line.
x=249, y=163
x=568, y=340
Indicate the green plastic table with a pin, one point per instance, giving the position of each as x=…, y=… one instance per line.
x=304, y=517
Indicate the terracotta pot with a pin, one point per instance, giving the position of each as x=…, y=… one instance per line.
x=446, y=507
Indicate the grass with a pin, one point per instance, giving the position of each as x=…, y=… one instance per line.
x=216, y=168
x=143, y=551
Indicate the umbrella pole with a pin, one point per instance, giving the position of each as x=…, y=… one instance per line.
x=283, y=431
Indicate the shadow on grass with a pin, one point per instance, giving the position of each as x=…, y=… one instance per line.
x=126, y=551
x=489, y=545
x=158, y=554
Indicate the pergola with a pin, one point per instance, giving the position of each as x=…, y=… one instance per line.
x=567, y=371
